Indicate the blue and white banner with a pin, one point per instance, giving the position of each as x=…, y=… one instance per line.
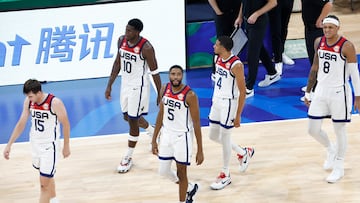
x=81, y=42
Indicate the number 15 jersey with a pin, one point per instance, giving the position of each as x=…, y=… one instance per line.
x=45, y=127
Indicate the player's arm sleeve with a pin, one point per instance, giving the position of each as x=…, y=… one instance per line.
x=355, y=78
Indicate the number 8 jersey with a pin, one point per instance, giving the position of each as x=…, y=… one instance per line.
x=331, y=64
x=176, y=115
x=45, y=126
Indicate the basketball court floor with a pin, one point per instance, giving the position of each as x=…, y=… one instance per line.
x=286, y=167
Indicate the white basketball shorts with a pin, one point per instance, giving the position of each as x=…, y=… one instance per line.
x=334, y=103
x=134, y=101
x=45, y=156
x=223, y=112
x=176, y=146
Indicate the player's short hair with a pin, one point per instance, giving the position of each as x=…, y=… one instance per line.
x=178, y=67
x=226, y=42
x=32, y=85
x=136, y=24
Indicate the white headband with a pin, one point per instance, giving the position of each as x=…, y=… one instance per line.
x=332, y=21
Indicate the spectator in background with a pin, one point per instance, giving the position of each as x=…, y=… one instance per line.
x=226, y=12
x=279, y=18
x=254, y=14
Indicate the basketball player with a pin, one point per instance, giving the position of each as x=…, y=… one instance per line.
x=179, y=119
x=228, y=103
x=47, y=112
x=136, y=56
x=335, y=60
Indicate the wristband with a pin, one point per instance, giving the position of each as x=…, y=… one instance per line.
x=307, y=96
x=154, y=72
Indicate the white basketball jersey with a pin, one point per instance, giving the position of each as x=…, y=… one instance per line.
x=332, y=71
x=176, y=113
x=45, y=126
x=225, y=82
x=134, y=68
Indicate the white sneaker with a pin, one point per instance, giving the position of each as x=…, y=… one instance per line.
x=304, y=88
x=125, y=165
x=279, y=68
x=245, y=159
x=269, y=79
x=287, y=60
x=337, y=173
x=330, y=158
x=191, y=191
x=249, y=93
x=221, y=181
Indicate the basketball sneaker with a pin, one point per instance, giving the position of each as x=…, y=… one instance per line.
x=125, y=165
x=269, y=79
x=244, y=159
x=287, y=60
x=330, y=158
x=337, y=173
x=192, y=189
x=221, y=181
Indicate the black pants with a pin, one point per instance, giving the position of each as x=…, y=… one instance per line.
x=256, y=50
x=311, y=33
x=279, y=19
x=225, y=23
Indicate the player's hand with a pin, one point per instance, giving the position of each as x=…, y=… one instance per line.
x=199, y=157
x=237, y=122
x=154, y=147
x=7, y=152
x=66, y=151
x=108, y=93
x=307, y=99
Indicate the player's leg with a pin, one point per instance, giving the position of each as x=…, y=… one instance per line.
x=47, y=171
x=340, y=117
x=226, y=148
x=214, y=121
x=318, y=110
x=338, y=166
x=314, y=129
x=183, y=180
x=47, y=193
x=143, y=123
x=166, y=156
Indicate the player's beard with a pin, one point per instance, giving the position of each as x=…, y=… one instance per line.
x=175, y=85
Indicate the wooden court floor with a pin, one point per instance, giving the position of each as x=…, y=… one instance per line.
x=286, y=167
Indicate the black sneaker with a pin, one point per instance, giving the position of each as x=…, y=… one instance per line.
x=191, y=193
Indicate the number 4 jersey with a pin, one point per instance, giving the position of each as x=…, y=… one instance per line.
x=45, y=126
x=225, y=82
